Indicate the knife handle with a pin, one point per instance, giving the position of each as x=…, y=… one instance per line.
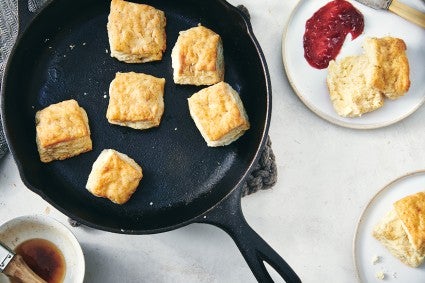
x=408, y=13
x=18, y=269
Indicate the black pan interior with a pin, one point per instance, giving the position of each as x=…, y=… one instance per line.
x=64, y=54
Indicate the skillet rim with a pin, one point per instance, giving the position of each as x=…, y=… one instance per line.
x=260, y=145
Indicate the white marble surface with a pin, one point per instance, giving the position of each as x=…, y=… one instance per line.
x=327, y=174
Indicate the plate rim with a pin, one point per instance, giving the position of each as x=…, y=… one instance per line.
x=368, y=205
x=316, y=111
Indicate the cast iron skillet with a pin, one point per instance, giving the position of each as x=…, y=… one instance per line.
x=62, y=53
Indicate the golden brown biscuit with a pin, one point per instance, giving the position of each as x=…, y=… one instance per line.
x=197, y=57
x=62, y=131
x=136, y=100
x=358, y=84
x=402, y=230
x=389, y=71
x=390, y=232
x=136, y=32
x=115, y=176
x=219, y=114
x=411, y=211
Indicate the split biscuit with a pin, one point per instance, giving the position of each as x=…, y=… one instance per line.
x=411, y=211
x=114, y=176
x=136, y=32
x=219, y=114
x=402, y=230
x=349, y=92
x=389, y=70
x=197, y=57
x=62, y=131
x=136, y=100
x=359, y=84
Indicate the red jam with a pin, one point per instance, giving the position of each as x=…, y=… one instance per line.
x=326, y=30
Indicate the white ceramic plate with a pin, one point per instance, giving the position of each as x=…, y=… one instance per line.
x=366, y=248
x=23, y=228
x=310, y=83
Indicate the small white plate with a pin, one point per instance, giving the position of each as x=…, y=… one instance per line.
x=310, y=83
x=23, y=228
x=366, y=247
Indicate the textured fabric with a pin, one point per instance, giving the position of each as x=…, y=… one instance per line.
x=3, y=145
x=264, y=174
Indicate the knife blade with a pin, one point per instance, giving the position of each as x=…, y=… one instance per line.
x=14, y=266
x=398, y=8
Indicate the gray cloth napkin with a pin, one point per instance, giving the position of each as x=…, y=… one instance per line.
x=8, y=32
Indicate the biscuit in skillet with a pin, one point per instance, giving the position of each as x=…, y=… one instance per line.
x=197, y=57
x=62, y=131
x=114, y=176
x=219, y=114
x=136, y=32
x=136, y=100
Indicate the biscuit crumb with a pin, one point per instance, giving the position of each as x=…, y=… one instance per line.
x=106, y=51
x=151, y=203
x=380, y=275
x=395, y=275
x=376, y=259
x=71, y=46
x=84, y=43
x=105, y=96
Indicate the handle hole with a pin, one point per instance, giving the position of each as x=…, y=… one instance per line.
x=273, y=273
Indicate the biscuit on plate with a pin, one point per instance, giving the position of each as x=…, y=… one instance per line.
x=358, y=84
x=136, y=32
x=219, y=114
x=389, y=70
x=197, y=57
x=350, y=94
x=115, y=176
x=411, y=211
x=402, y=230
x=62, y=131
x=136, y=100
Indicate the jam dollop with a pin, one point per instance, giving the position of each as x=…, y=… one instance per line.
x=326, y=30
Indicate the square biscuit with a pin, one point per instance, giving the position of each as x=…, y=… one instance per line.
x=136, y=100
x=197, y=57
x=114, y=176
x=136, y=32
x=411, y=211
x=219, y=114
x=62, y=131
x=389, y=72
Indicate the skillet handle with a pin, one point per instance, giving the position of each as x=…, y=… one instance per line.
x=228, y=216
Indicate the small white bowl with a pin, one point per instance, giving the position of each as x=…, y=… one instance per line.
x=20, y=229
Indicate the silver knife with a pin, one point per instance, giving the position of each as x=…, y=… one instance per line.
x=397, y=8
x=14, y=266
